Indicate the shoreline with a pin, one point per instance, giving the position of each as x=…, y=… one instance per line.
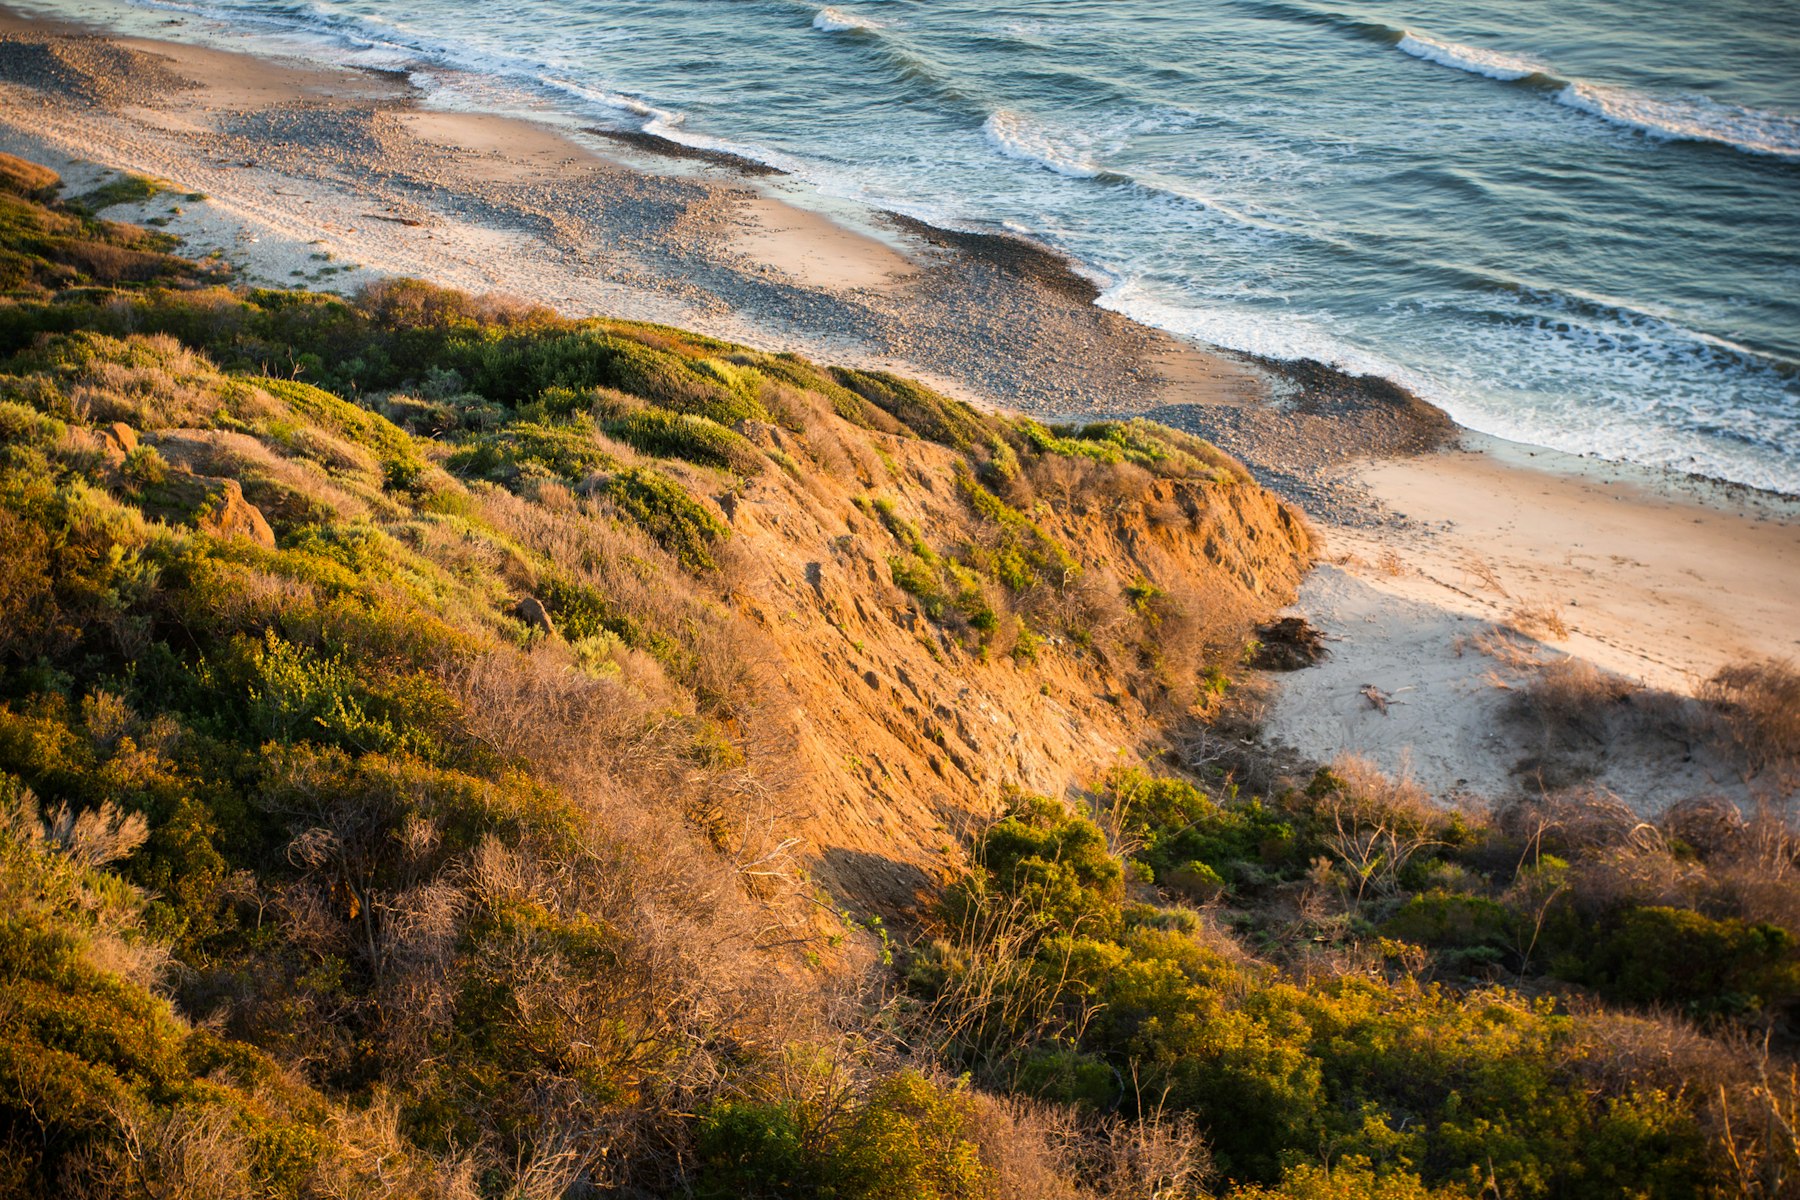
x=328, y=178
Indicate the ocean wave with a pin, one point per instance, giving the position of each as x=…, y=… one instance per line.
x=1019, y=137
x=1681, y=118
x=1690, y=119
x=1662, y=398
x=836, y=20
x=1619, y=324
x=617, y=101
x=1476, y=61
x=1286, y=335
x=1164, y=188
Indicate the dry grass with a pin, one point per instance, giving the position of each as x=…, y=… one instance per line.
x=1541, y=620
x=1377, y=822
x=1483, y=572
x=1505, y=646
x=1759, y=709
x=1041, y=1151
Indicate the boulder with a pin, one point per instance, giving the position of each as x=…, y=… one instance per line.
x=121, y=435
x=225, y=513
x=532, y=612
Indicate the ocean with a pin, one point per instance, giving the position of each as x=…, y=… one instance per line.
x=1570, y=223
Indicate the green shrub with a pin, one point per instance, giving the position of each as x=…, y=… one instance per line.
x=295, y=693
x=1148, y=444
x=21, y=425
x=931, y=416
x=1056, y=864
x=1660, y=955
x=532, y=450
x=400, y=460
x=1194, y=843
x=794, y=370
x=753, y=1150
x=910, y=1139
x=664, y=510
x=1023, y=555
x=1479, y=929
x=126, y=189
x=686, y=436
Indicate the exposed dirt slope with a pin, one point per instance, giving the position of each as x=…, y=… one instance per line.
x=905, y=735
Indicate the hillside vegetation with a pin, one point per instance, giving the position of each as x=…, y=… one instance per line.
x=447, y=749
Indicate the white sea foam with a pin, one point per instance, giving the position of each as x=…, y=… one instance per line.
x=1020, y=137
x=1656, y=398
x=836, y=20
x=1473, y=59
x=1691, y=118
x=614, y=100
x=1682, y=118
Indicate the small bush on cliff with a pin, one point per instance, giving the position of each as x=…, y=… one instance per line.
x=909, y=1138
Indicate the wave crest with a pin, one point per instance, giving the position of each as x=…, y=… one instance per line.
x=1690, y=119
x=836, y=20
x=1473, y=59
x=1682, y=118
x=1020, y=137
x=1687, y=117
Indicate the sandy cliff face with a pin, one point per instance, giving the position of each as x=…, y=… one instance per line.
x=903, y=735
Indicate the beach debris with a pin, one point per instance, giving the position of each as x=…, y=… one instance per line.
x=1289, y=644
x=1378, y=699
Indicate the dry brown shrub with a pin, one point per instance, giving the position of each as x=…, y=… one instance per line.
x=1574, y=704
x=1756, y=1125
x=28, y=179
x=114, y=264
x=369, y=1158
x=1158, y=1155
x=1758, y=874
x=1759, y=706
x=289, y=488
x=1041, y=1151
x=619, y=752
x=1090, y=606
x=189, y=1153
x=1714, y=828
x=1505, y=647
x=1580, y=717
x=1118, y=484
x=1183, y=633
x=725, y=667
x=143, y=397
x=414, y=304
x=1541, y=620
x=793, y=407
x=1376, y=823
x=1483, y=571
x=1575, y=821
x=1029, y=1146
x=1621, y=1050
x=94, y=837
x=1059, y=478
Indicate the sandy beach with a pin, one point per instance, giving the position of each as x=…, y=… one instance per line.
x=329, y=179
